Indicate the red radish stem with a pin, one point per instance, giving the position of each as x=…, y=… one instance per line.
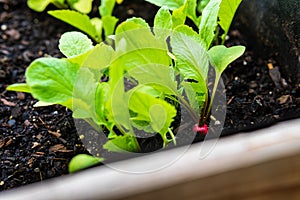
x=201, y=129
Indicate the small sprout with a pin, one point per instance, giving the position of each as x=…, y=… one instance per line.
x=82, y=161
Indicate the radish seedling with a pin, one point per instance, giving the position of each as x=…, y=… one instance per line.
x=165, y=67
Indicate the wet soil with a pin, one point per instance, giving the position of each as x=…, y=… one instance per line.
x=38, y=143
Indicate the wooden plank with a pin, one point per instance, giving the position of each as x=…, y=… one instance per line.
x=251, y=165
x=278, y=179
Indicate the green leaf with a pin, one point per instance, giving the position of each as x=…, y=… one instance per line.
x=131, y=24
x=209, y=22
x=188, y=9
x=40, y=5
x=220, y=56
x=196, y=94
x=106, y=7
x=74, y=43
x=109, y=24
x=136, y=45
x=190, y=53
x=84, y=95
x=102, y=96
x=122, y=144
x=19, y=87
x=226, y=14
x=117, y=106
x=90, y=97
x=163, y=23
x=83, y=6
x=191, y=6
x=78, y=20
x=99, y=58
x=80, y=59
x=82, y=161
x=98, y=24
x=52, y=80
x=202, y=5
x=172, y=5
x=179, y=16
x=157, y=76
x=157, y=112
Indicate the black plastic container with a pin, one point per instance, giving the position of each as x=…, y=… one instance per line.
x=276, y=25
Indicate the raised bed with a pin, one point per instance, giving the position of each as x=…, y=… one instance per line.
x=239, y=166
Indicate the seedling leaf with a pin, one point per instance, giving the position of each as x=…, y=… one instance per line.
x=220, y=56
x=106, y=7
x=122, y=144
x=74, y=43
x=172, y=5
x=40, y=5
x=190, y=53
x=78, y=20
x=156, y=112
x=19, y=87
x=82, y=161
x=109, y=24
x=83, y=6
x=163, y=23
x=52, y=80
x=226, y=14
x=209, y=21
x=156, y=76
x=99, y=58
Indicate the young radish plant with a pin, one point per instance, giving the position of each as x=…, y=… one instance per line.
x=165, y=67
x=83, y=6
x=77, y=16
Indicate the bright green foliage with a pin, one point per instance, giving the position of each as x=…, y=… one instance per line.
x=209, y=22
x=109, y=21
x=40, y=5
x=192, y=63
x=106, y=7
x=172, y=5
x=221, y=56
x=52, y=80
x=125, y=143
x=191, y=6
x=72, y=44
x=157, y=76
x=163, y=23
x=84, y=94
x=201, y=5
x=136, y=39
x=226, y=14
x=77, y=16
x=78, y=20
x=21, y=87
x=83, y=6
x=191, y=56
x=109, y=24
x=178, y=16
x=82, y=161
x=170, y=62
x=93, y=60
x=152, y=114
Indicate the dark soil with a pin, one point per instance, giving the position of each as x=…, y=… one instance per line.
x=37, y=143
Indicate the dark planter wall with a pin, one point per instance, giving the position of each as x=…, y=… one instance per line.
x=276, y=25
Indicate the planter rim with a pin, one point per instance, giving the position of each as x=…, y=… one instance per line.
x=230, y=153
